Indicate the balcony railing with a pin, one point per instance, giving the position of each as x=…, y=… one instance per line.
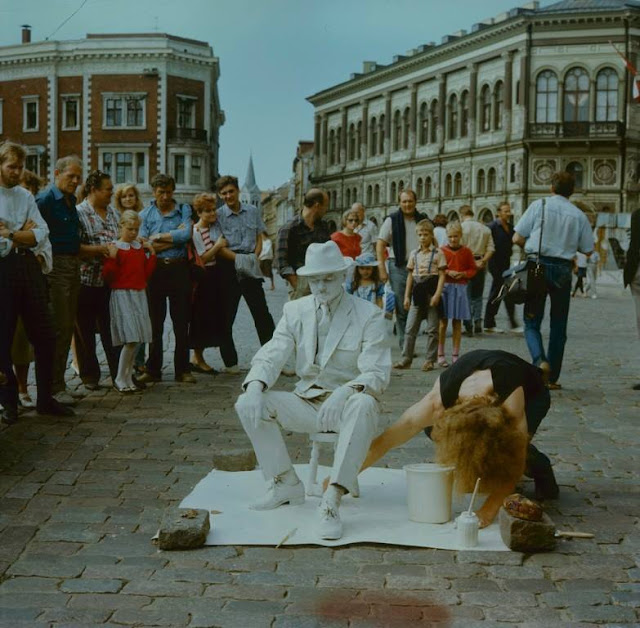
x=178, y=133
x=549, y=130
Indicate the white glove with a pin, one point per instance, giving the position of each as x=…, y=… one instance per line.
x=250, y=405
x=330, y=414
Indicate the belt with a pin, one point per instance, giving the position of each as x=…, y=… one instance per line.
x=553, y=260
x=171, y=260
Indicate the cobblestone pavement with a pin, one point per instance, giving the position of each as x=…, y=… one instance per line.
x=80, y=499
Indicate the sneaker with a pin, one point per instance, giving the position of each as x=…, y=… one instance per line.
x=280, y=493
x=26, y=401
x=428, y=366
x=405, y=363
x=519, y=329
x=231, y=370
x=329, y=525
x=186, y=378
x=65, y=398
x=493, y=330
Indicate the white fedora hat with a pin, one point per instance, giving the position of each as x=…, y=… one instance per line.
x=323, y=259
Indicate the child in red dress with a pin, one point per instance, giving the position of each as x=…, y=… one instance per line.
x=127, y=270
x=460, y=268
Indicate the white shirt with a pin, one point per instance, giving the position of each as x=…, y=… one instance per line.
x=369, y=234
x=411, y=237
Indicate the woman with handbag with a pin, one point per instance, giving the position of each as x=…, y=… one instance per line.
x=425, y=283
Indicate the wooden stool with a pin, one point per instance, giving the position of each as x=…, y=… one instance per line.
x=314, y=487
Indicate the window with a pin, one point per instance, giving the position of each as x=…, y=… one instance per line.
x=607, y=95
x=512, y=173
x=547, y=97
x=32, y=162
x=419, y=188
x=373, y=137
x=352, y=142
x=433, y=120
x=338, y=145
x=70, y=113
x=358, y=153
x=0, y=115
x=427, y=187
x=30, y=117
x=186, y=112
x=424, y=124
x=334, y=200
x=400, y=187
x=381, y=135
x=447, y=185
x=394, y=192
x=491, y=180
x=480, y=182
x=406, y=127
x=453, y=117
x=397, y=130
x=576, y=96
x=457, y=184
x=369, y=195
x=331, y=147
x=576, y=169
x=124, y=111
x=195, y=176
x=348, y=198
x=354, y=194
x=498, y=105
x=376, y=195
x=518, y=92
x=126, y=166
x=485, y=109
x=464, y=114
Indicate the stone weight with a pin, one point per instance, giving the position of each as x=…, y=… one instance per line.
x=521, y=535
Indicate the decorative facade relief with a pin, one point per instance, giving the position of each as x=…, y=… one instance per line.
x=543, y=169
x=604, y=171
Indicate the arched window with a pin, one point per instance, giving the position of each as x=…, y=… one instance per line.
x=348, y=198
x=352, y=142
x=400, y=186
x=424, y=124
x=464, y=114
x=447, y=185
x=576, y=169
x=419, y=188
x=512, y=173
x=457, y=184
x=406, y=127
x=376, y=195
x=381, y=135
x=354, y=195
x=373, y=137
x=576, y=96
x=397, y=130
x=453, y=117
x=332, y=147
x=369, y=195
x=338, y=145
x=547, y=97
x=486, y=215
x=334, y=200
x=358, y=153
x=393, y=192
x=607, y=95
x=480, y=182
x=427, y=187
x=498, y=105
x=485, y=109
x=491, y=180
x=433, y=120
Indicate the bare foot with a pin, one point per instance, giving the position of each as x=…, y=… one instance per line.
x=487, y=513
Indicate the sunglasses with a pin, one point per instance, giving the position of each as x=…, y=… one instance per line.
x=353, y=220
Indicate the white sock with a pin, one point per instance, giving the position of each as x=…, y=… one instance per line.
x=333, y=496
x=125, y=365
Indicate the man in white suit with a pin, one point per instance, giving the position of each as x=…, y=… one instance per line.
x=343, y=360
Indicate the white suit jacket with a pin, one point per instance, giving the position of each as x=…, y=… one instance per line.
x=356, y=350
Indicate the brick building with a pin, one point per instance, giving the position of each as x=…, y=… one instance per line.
x=132, y=105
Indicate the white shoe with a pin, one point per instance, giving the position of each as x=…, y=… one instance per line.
x=231, y=370
x=65, y=398
x=279, y=493
x=594, y=296
x=517, y=330
x=493, y=330
x=26, y=401
x=329, y=525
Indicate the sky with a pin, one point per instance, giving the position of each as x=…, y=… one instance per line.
x=273, y=54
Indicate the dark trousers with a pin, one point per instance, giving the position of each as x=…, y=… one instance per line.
x=253, y=293
x=92, y=315
x=24, y=293
x=173, y=282
x=492, y=308
x=475, y=290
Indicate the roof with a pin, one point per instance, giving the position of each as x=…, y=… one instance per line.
x=576, y=6
x=250, y=180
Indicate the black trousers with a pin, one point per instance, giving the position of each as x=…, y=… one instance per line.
x=24, y=293
x=93, y=314
x=253, y=293
x=492, y=308
x=172, y=282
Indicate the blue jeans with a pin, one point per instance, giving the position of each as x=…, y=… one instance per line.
x=557, y=275
x=398, y=279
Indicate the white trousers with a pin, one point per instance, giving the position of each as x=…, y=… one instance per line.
x=288, y=411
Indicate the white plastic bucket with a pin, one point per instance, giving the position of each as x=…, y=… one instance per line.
x=429, y=492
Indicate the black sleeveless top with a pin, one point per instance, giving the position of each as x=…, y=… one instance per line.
x=508, y=372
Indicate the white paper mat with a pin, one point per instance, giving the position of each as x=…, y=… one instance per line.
x=379, y=515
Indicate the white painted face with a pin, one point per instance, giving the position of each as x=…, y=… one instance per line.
x=326, y=288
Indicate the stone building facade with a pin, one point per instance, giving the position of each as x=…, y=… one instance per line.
x=131, y=105
x=490, y=115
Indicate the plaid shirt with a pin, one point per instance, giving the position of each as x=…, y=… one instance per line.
x=94, y=230
x=293, y=240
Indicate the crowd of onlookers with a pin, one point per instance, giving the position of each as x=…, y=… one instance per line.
x=79, y=258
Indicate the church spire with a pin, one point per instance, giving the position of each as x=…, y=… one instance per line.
x=250, y=192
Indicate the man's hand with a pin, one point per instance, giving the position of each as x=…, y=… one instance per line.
x=330, y=414
x=29, y=225
x=250, y=405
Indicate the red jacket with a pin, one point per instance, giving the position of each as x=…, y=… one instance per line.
x=129, y=269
